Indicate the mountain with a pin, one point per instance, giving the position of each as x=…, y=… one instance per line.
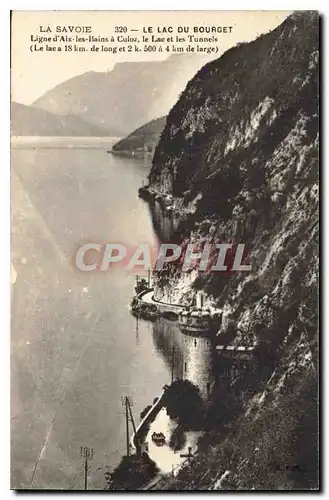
x=127, y=97
x=238, y=162
x=141, y=141
x=31, y=121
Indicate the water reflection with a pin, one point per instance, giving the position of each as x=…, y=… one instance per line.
x=165, y=222
x=74, y=352
x=168, y=340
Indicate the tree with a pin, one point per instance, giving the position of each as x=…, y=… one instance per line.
x=184, y=404
x=131, y=473
x=145, y=411
x=177, y=438
x=141, y=286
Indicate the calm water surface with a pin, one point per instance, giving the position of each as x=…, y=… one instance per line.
x=75, y=346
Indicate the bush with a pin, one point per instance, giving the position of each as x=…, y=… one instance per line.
x=145, y=411
x=131, y=473
x=184, y=404
x=177, y=439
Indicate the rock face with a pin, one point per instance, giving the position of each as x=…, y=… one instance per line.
x=237, y=162
x=127, y=97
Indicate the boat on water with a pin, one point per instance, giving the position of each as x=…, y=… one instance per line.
x=171, y=315
x=142, y=310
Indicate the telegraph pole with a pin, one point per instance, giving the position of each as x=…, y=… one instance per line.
x=172, y=363
x=86, y=474
x=127, y=427
x=137, y=332
x=127, y=403
x=86, y=454
x=130, y=404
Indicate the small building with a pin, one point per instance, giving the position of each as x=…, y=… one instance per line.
x=232, y=361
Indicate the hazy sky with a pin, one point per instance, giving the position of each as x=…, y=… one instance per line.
x=33, y=73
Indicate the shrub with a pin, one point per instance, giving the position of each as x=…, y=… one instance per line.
x=184, y=404
x=131, y=473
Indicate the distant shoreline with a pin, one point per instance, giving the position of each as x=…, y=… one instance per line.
x=89, y=137
x=48, y=142
x=126, y=153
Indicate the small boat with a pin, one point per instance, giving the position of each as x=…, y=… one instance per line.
x=170, y=315
x=144, y=311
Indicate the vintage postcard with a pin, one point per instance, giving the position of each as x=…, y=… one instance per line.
x=164, y=250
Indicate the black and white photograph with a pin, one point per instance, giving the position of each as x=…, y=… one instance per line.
x=164, y=251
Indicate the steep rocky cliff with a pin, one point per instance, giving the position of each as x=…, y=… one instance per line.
x=237, y=162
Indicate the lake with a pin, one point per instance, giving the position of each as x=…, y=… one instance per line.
x=75, y=348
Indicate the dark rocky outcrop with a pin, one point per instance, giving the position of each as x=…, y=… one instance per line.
x=142, y=141
x=238, y=162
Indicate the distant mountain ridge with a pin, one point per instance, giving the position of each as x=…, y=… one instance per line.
x=127, y=97
x=32, y=121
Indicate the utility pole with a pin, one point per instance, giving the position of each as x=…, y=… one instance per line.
x=127, y=403
x=86, y=454
x=130, y=404
x=127, y=428
x=137, y=332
